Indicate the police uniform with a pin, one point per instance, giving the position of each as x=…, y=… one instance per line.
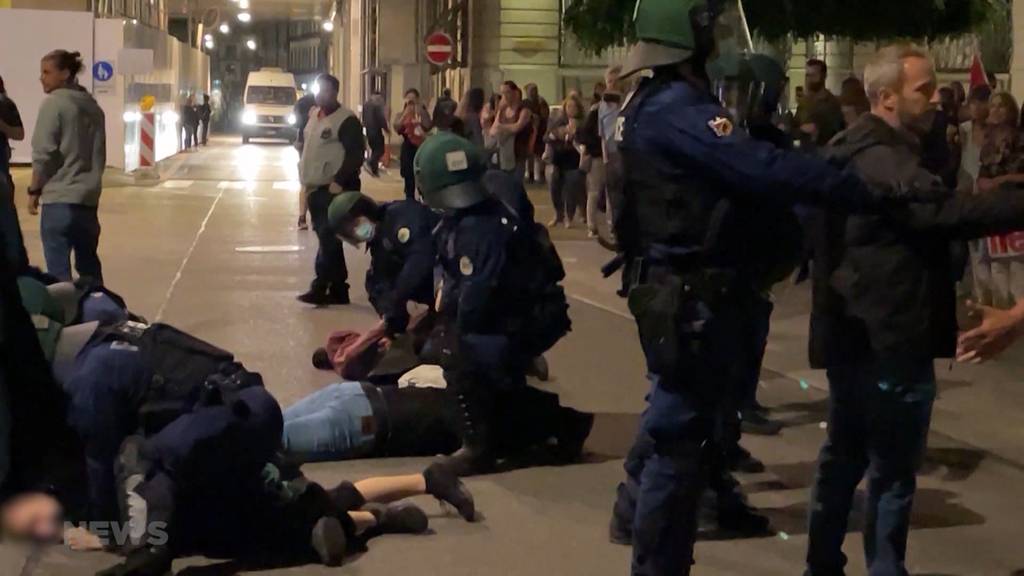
x=688, y=169
x=500, y=306
x=332, y=153
x=402, y=259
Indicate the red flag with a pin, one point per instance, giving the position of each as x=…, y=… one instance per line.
x=978, y=76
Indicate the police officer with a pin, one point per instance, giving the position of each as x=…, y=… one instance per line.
x=399, y=236
x=332, y=154
x=688, y=169
x=500, y=306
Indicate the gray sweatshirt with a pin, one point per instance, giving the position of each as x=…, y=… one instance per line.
x=69, y=147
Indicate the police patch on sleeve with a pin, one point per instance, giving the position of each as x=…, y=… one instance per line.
x=456, y=161
x=466, y=266
x=721, y=126
x=403, y=235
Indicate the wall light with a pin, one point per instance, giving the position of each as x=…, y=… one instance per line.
x=224, y=28
x=244, y=17
x=328, y=26
x=251, y=44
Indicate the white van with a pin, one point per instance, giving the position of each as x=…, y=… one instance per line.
x=269, y=105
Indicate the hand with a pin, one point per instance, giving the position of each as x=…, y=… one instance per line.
x=335, y=188
x=998, y=329
x=81, y=540
x=33, y=204
x=810, y=129
x=987, y=184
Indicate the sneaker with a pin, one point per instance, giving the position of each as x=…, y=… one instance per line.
x=315, y=297
x=444, y=486
x=568, y=224
x=302, y=223
x=398, y=517
x=329, y=541
x=592, y=234
x=757, y=423
x=554, y=222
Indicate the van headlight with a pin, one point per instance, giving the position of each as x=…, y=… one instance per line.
x=292, y=119
x=249, y=118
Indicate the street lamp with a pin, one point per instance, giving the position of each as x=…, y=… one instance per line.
x=224, y=28
x=244, y=17
x=328, y=26
x=251, y=44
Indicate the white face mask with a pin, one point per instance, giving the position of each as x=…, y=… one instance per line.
x=364, y=231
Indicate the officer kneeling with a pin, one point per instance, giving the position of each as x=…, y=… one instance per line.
x=499, y=305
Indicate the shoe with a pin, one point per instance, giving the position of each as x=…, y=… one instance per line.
x=756, y=423
x=554, y=222
x=592, y=234
x=338, y=298
x=743, y=520
x=444, y=486
x=329, y=541
x=302, y=224
x=398, y=517
x=568, y=224
x=314, y=296
x=539, y=369
x=573, y=430
x=740, y=460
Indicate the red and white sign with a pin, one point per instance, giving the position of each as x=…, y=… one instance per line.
x=440, y=48
x=1009, y=246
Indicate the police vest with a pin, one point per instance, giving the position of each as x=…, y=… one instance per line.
x=322, y=153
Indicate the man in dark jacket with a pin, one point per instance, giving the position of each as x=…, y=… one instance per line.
x=375, y=120
x=883, y=310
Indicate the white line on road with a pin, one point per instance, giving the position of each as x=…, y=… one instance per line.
x=188, y=255
x=597, y=304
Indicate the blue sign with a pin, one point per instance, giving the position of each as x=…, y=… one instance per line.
x=103, y=71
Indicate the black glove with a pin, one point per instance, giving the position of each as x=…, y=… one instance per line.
x=148, y=561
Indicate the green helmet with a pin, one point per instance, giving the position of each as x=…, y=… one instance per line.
x=340, y=208
x=47, y=314
x=448, y=171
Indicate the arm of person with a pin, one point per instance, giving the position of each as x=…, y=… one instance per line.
x=417, y=269
x=397, y=123
x=425, y=121
x=997, y=331
x=351, y=136
x=966, y=217
x=480, y=262
x=703, y=136
x=46, y=158
x=10, y=124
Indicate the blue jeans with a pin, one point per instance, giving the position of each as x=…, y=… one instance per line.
x=67, y=227
x=333, y=423
x=878, y=423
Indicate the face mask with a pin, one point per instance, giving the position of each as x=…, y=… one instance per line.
x=364, y=231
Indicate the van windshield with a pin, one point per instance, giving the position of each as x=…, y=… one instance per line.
x=279, y=95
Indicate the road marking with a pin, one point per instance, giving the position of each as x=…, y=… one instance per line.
x=232, y=185
x=188, y=255
x=177, y=183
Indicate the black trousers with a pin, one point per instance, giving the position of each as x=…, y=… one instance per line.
x=408, y=169
x=377, y=144
x=330, y=268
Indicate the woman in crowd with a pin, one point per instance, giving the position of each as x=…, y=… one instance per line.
x=971, y=138
x=1002, y=162
x=541, y=114
x=470, y=109
x=69, y=155
x=568, y=182
x=511, y=131
x=412, y=124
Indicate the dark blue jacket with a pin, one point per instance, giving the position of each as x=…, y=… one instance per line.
x=401, y=261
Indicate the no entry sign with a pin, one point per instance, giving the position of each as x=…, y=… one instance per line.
x=440, y=48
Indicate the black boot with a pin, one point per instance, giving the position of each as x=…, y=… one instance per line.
x=742, y=519
x=573, y=429
x=338, y=295
x=316, y=295
x=474, y=405
x=755, y=422
x=398, y=518
x=328, y=540
x=444, y=486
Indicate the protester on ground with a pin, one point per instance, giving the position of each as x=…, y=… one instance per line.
x=884, y=310
x=200, y=466
x=69, y=156
x=568, y=182
x=500, y=306
x=412, y=124
x=541, y=112
x=375, y=121
x=205, y=112
x=302, y=107
x=10, y=129
x=819, y=115
x=332, y=157
x=470, y=109
x=512, y=131
x=444, y=110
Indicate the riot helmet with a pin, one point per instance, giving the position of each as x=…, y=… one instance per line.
x=448, y=171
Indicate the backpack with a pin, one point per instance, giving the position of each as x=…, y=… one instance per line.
x=182, y=372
